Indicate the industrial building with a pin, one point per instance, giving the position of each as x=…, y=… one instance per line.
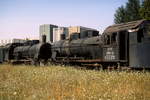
x=54, y=33
x=82, y=32
x=60, y=33
x=47, y=29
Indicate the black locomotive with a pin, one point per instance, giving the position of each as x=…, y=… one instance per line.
x=126, y=44
x=31, y=51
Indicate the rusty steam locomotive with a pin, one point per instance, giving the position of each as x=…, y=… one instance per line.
x=126, y=44
x=31, y=52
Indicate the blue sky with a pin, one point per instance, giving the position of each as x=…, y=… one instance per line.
x=21, y=18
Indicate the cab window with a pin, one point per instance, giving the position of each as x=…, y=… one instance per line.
x=113, y=38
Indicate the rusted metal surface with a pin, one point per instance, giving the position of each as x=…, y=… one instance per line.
x=90, y=60
x=123, y=26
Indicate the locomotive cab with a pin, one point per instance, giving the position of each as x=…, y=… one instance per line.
x=115, y=48
x=128, y=44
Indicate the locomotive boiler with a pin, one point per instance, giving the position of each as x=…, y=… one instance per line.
x=88, y=50
x=35, y=52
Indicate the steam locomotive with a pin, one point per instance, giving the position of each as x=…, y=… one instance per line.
x=126, y=44
x=32, y=52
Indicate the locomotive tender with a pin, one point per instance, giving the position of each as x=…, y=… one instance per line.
x=126, y=44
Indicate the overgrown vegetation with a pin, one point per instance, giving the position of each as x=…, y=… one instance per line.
x=67, y=83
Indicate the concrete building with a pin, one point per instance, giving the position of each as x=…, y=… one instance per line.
x=47, y=29
x=60, y=33
x=82, y=31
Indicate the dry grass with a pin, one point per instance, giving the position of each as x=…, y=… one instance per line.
x=67, y=83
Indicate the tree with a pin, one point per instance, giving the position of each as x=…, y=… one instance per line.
x=145, y=10
x=128, y=13
x=132, y=10
x=120, y=15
